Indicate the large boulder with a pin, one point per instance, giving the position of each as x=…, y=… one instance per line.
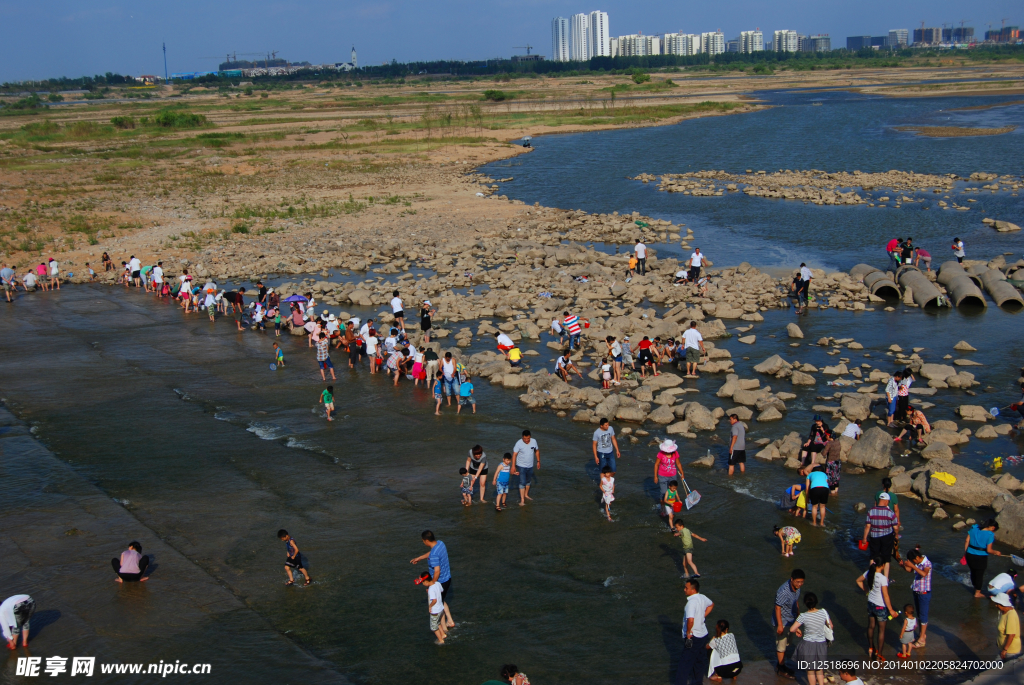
x=872, y=450
x=856, y=406
x=801, y=378
x=970, y=489
x=663, y=415
x=631, y=413
x=972, y=412
x=749, y=397
x=951, y=438
x=665, y=380
x=937, y=450
x=936, y=372
x=769, y=414
x=1010, y=519
x=771, y=366
x=793, y=331
x=699, y=417
x=732, y=384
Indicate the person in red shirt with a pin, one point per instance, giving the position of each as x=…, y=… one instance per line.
x=893, y=248
x=646, y=356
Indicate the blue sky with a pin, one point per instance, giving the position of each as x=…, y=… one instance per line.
x=46, y=38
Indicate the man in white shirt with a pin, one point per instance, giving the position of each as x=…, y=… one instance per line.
x=693, y=662
x=694, y=347
x=853, y=430
x=805, y=274
x=158, y=276
x=364, y=330
x=641, y=256
x=696, y=262
x=398, y=310
x=135, y=268
x=525, y=459
x=505, y=343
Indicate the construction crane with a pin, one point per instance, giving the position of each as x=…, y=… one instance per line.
x=526, y=47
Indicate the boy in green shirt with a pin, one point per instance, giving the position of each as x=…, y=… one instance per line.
x=327, y=399
x=278, y=355
x=686, y=535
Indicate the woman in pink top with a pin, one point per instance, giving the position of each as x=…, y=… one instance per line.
x=667, y=466
x=131, y=565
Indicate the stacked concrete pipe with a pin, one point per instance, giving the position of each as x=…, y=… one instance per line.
x=1003, y=293
x=962, y=289
x=879, y=283
x=924, y=292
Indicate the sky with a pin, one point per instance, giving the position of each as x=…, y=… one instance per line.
x=50, y=38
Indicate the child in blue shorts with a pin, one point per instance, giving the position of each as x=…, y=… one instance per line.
x=437, y=389
x=501, y=477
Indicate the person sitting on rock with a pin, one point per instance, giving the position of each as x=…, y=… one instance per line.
x=816, y=440
x=917, y=425
x=563, y=367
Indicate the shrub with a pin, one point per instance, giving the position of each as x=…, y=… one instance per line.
x=497, y=95
x=179, y=119
x=640, y=77
x=123, y=123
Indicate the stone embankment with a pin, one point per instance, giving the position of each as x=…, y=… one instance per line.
x=823, y=188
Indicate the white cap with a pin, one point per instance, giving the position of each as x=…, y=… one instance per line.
x=1002, y=599
x=427, y=302
x=884, y=497
x=668, y=446
x=332, y=317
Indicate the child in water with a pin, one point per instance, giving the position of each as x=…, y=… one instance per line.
x=789, y=537
x=907, y=633
x=293, y=560
x=670, y=500
x=686, y=536
x=437, y=389
x=606, y=374
x=278, y=355
x=501, y=477
x=607, y=490
x=466, y=487
x=327, y=399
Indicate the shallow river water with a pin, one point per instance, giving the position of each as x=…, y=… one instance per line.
x=171, y=430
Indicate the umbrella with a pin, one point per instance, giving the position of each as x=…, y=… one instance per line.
x=527, y=137
x=294, y=298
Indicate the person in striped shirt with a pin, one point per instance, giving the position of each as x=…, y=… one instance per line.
x=571, y=322
x=880, y=531
x=918, y=564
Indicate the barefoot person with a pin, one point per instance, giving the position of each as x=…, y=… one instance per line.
x=131, y=567
x=15, y=616
x=476, y=466
x=694, y=347
x=437, y=563
x=292, y=559
x=737, y=445
x=527, y=459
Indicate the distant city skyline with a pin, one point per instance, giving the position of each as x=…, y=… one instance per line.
x=49, y=39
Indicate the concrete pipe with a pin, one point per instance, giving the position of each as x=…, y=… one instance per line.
x=880, y=284
x=858, y=272
x=1002, y=292
x=964, y=293
x=952, y=270
x=924, y=291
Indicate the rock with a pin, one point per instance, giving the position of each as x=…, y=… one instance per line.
x=680, y=428
x=748, y=397
x=959, y=525
x=951, y=438
x=940, y=514
x=801, y=378
x=972, y=412
x=860, y=507
x=943, y=424
x=986, y=433
x=769, y=453
x=634, y=414
x=856, y=406
x=937, y=372
x=837, y=370
x=584, y=416
x=742, y=413
x=872, y=450
x=730, y=386
x=771, y=365
x=707, y=461
x=793, y=331
x=937, y=450
x=700, y=417
x=747, y=340
x=901, y=482
x=665, y=380
x=964, y=346
x=663, y=415
x=769, y=414
x=514, y=380
x=971, y=489
x=1008, y=482
x=1004, y=226
x=1010, y=519
x=793, y=463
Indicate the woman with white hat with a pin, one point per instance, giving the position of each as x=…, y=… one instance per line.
x=426, y=311
x=666, y=467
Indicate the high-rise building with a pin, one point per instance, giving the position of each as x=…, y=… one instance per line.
x=855, y=43
x=819, y=42
x=1007, y=34
x=579, y=32
x=597, y=41
x=637, y=45
x=712, y=43
x=560, y=39
x=785, y=41
x=898, y=38
x=879, y=41
x=732, y=45
x=958, y=34
x=927, y=36
x=751, y=41
x=680, y=44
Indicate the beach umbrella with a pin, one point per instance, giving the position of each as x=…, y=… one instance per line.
x=294, y=298
x=527, y=137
